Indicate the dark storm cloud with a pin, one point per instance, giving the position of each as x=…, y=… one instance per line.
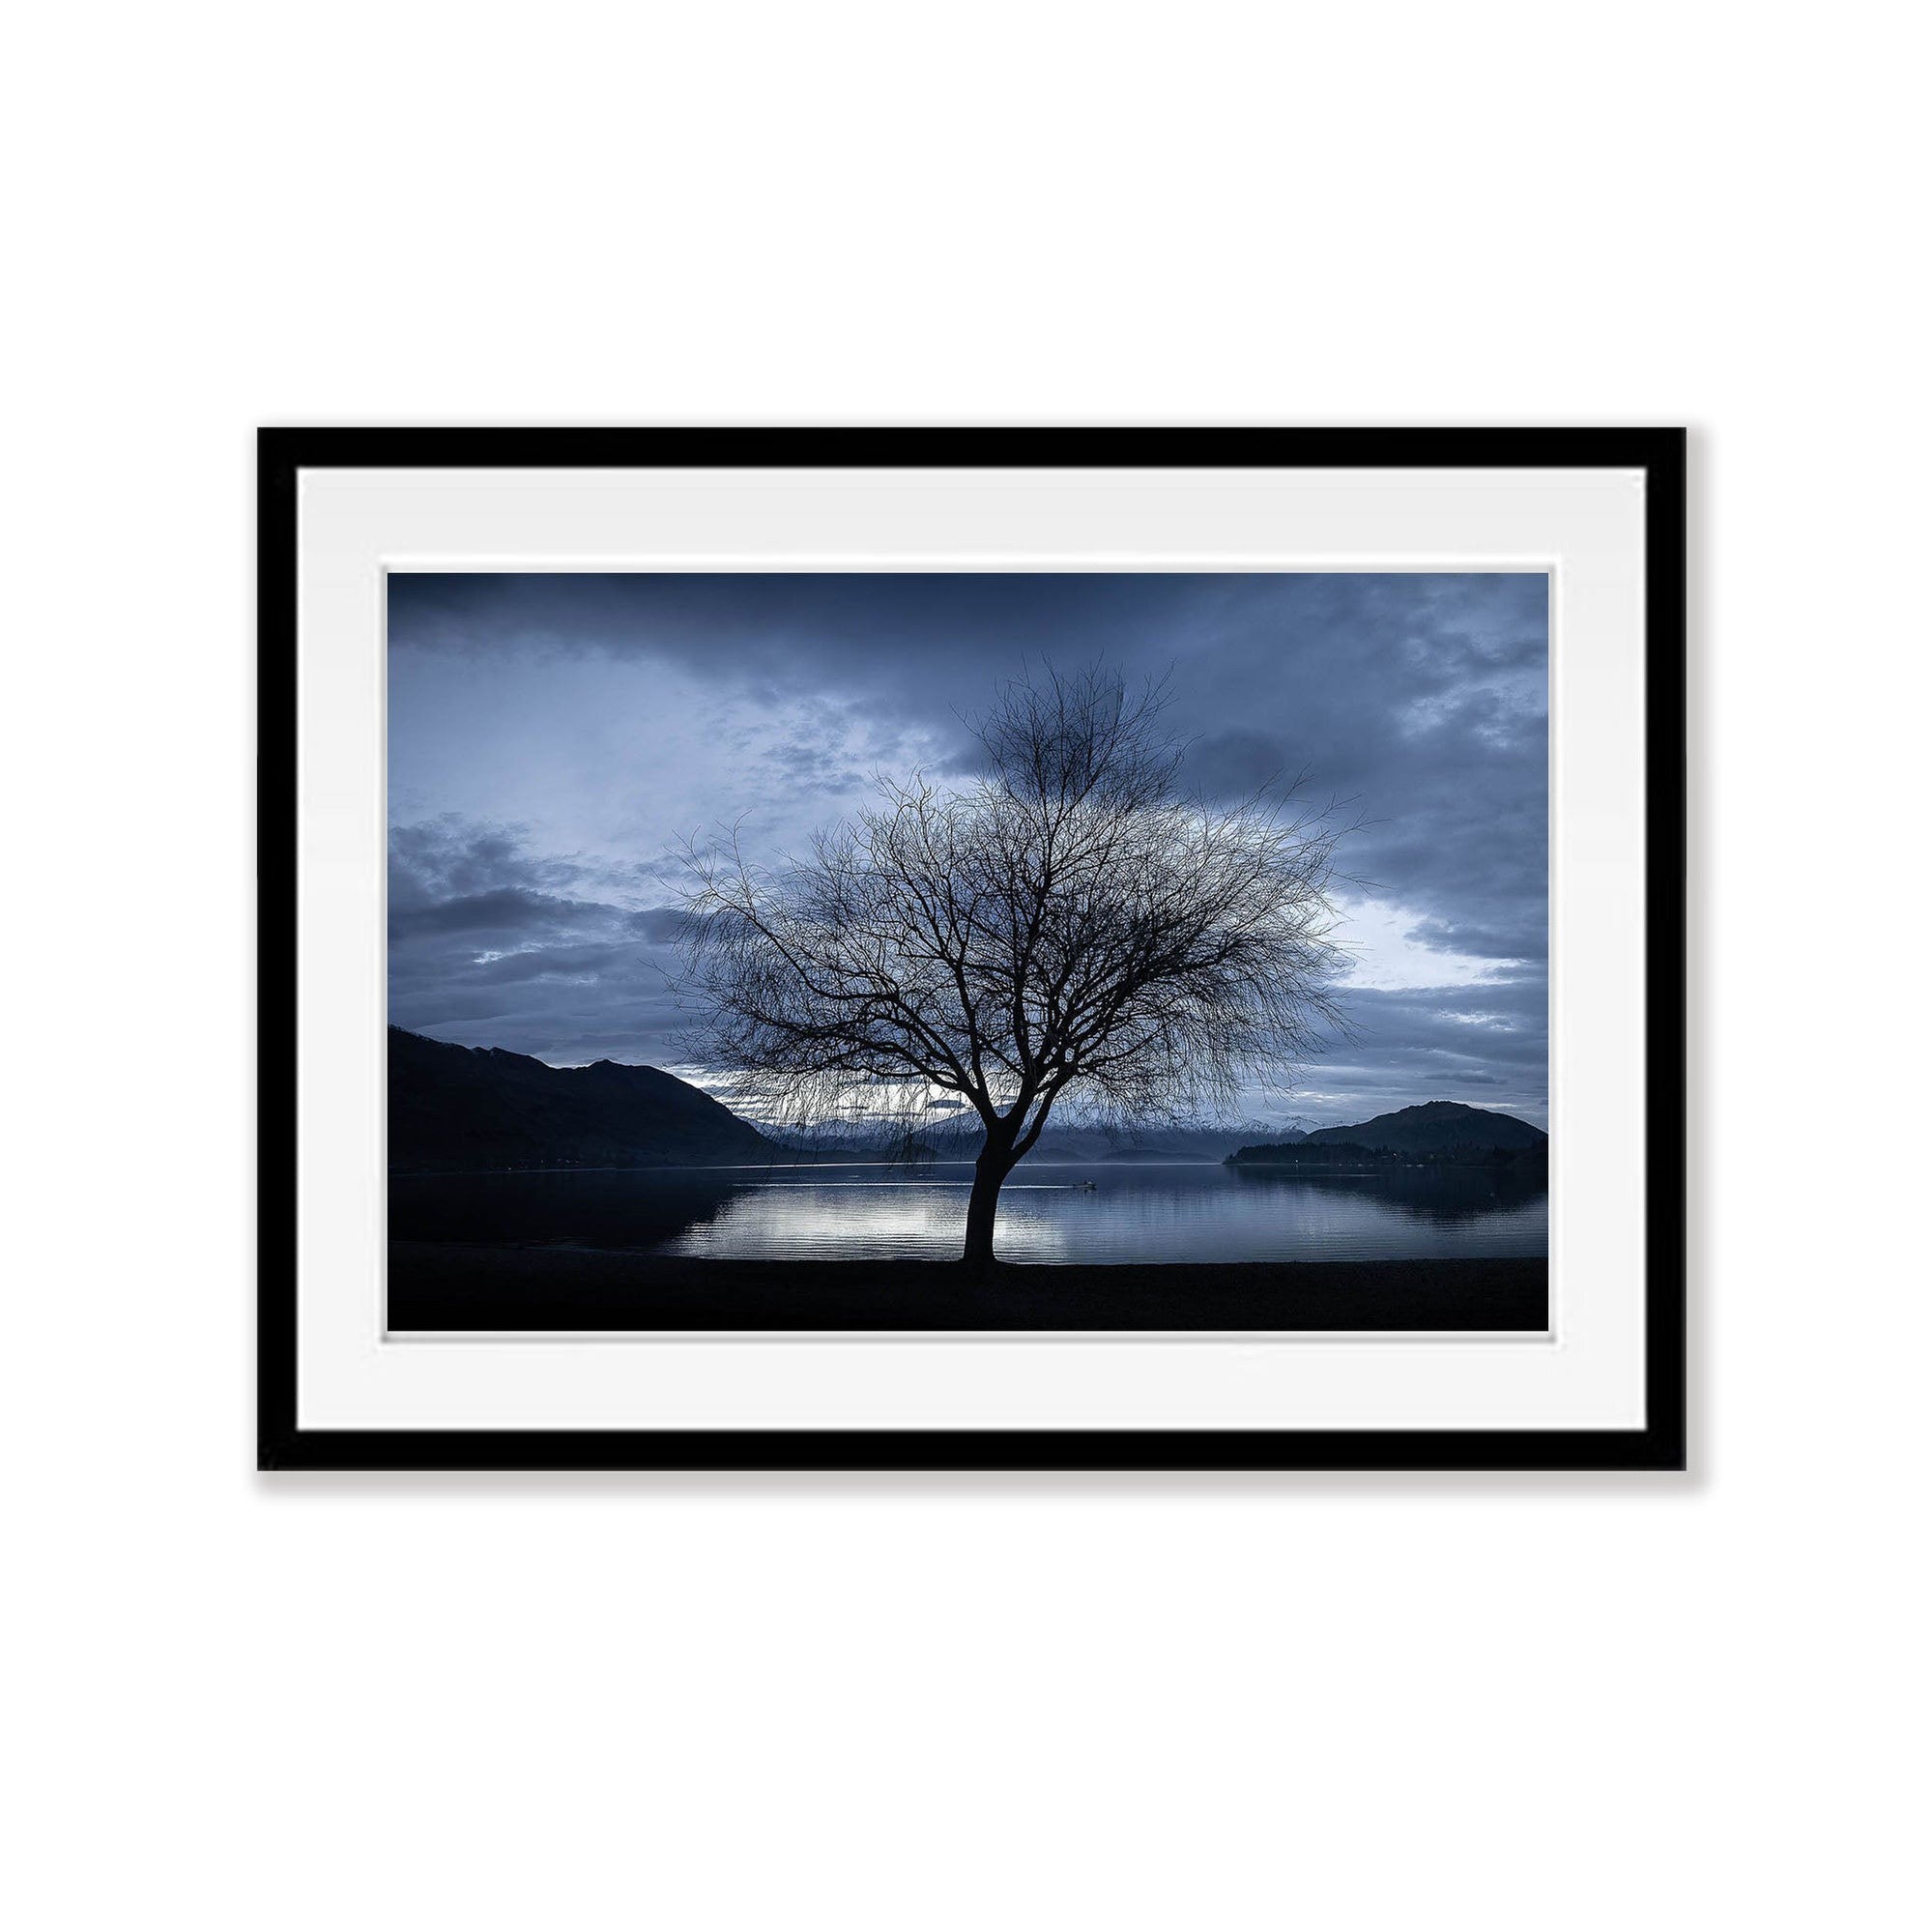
x=447, y=856
x=1524, y=941
x=473, y=943
x=664, y=925
x=507, y=909
x=611, y=715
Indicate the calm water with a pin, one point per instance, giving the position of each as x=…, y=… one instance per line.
x=1132, y=1212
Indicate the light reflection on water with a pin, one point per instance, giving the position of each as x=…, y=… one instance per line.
x=1137, y=1212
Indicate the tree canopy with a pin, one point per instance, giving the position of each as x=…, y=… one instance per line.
x=1066, y=923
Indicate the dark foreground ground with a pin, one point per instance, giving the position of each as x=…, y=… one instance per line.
x=434, y=1284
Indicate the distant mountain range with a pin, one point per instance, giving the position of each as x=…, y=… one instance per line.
x=461, y=1108
x=1441, y=1130
x=1159, y=1142
x=457, y=1109
x=959, y=1138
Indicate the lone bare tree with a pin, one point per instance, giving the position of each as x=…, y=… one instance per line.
x=1067, y=924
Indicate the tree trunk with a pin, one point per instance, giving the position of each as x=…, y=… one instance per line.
x=993, y=1164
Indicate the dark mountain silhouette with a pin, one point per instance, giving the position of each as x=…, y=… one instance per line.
x=1433, y=1128
x=1172, y=1142
x=1439, y=1131
x=463, y=1108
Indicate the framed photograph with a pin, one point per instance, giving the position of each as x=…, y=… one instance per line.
x=972, y=949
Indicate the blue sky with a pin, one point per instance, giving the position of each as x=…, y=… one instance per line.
x=552, y=739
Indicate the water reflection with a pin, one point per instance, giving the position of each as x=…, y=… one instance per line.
x=1137, y=1212
x=1447, y=1196
x=635, y=1208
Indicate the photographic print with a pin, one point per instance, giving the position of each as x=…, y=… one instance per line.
x=1091, y=952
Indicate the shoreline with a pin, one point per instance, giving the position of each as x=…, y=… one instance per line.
x=456, y=1285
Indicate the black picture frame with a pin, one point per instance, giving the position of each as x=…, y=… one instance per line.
x=1659, y=1444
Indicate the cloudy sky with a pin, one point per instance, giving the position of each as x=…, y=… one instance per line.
x=552, y=739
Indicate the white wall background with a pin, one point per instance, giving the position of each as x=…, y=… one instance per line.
x=1333, y=1704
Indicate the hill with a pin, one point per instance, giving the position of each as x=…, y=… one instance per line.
x=464, y=1107
x=1438, y=1131
x=1434, y=1128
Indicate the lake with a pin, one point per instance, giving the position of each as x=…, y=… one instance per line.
x=1099, y=1212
